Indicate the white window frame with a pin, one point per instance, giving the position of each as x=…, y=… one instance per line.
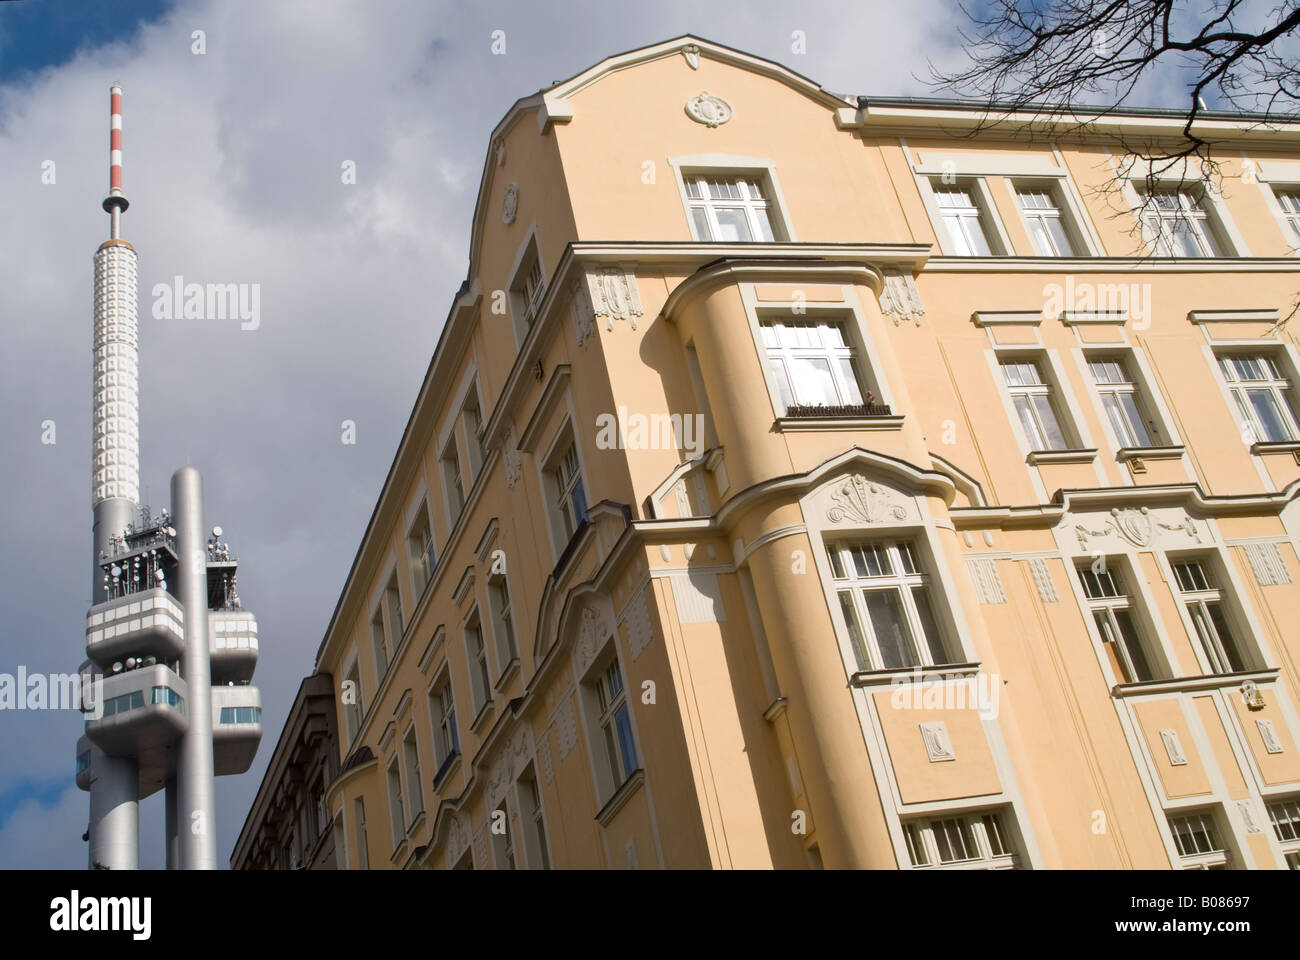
x=994, y=849
x=1193, y=606
x=446, y=733
x=396, y=799
x=532, y=811
x=363, y=843
x=524, y=296
x=867, y=361
x=1284, y=821
x=423, y=559
x=1061, y=211
x=558, y=489
x=789, y=357
x=1048, y=386
x=1279, y=387
x=981, y=197
x=757, y=170
x=479, y=667
x=1149, y=400
x=1115, y=575
x=899, y=582
x=353, y=713
x=412, y=774
x=600, y=713
x=500, y=604
x=1201, y=859
x=454, y=487
x=1224, y=233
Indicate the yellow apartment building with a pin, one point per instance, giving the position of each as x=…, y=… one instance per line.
x=809, y=480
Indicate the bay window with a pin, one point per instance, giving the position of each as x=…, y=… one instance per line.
x=884, y=596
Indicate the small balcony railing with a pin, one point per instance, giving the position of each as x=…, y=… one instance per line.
x=803, y=411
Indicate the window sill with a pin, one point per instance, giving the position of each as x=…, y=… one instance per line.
x=1080, y=455
x=448, y=765
x=621, y=796
x=511, y=669
x=482, y=714
x=1275, y=446
x=1201, y=682
x=794, y=424
x=885, y=678
x=399, y=852
x=1149, y=453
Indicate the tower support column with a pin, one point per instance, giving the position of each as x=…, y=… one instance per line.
x=114, y=812
x=195, y=807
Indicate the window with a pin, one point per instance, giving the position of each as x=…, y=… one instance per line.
x=340, y=843
x=393, y=612
x=350, y=693
x=503, y=839
x=503, y=624
x=1196, y=837
x=414, y=786
x=1204, y=602
x=527, y=289
x=615, y=725
x=241, y=714
x=453, y=481
x=534, y=289
x=536, y=849
x=395, y=810
x=1112, y=611
x=379, y=642
x=728, y=208
x=363, y=851
x=424, y=558
x=1289, y=201
x=884, y=596
x=569, y=498
x=1031, y=397
x=173, y=699
x=1285, y=817
x=478, y=664
x=1123, y=403
x=1043, y=220
x=977, y=840
x=813, y=366
x=1262, y=393
x=472, y=420
x=446, y=737
x=1179, y=225
x=963, y=219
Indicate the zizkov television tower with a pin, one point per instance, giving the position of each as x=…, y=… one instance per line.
x=166, y=633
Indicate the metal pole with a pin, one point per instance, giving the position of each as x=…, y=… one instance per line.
x=195, y=807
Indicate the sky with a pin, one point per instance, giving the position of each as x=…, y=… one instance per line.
x=232, y=161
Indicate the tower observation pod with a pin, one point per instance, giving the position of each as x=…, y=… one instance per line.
x=170, y=651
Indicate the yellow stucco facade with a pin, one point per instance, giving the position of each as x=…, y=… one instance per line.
x=807, y=482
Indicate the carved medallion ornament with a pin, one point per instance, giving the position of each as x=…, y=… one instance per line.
x=510, y=204
x=708, y=110
x=857, y=498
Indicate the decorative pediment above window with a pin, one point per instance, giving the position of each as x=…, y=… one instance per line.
x=856, y=499
x=900, y=299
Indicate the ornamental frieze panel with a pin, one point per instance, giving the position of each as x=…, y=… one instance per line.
x=1140, y=527
x=855, y=500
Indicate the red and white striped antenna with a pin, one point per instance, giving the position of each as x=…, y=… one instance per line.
x=116, y=201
